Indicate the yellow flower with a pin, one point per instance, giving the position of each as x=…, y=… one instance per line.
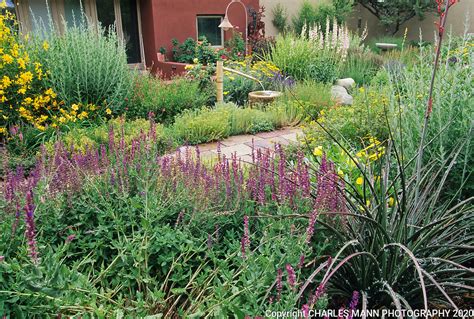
x=108, y=111
x=360, y=180
x=82, y=115
x=189, y=67
x=318, y=151
x=367, y=203
x=21, y=91
x=391, y=201
x=340, y=173
x=7, y=58
x=195, y=60
x=3, y=130
x=6, y=82
x=21, y=63
x=226, y=93
x=362, y=89
x=75, y=107
x=45, y=45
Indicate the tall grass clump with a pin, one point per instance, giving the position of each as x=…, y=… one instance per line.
x=87, y=64
x=451, y=121
x=315, y=54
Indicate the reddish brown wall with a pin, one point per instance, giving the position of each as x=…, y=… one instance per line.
x=164, y=20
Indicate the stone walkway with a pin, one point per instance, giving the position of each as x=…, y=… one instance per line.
x=241, y=145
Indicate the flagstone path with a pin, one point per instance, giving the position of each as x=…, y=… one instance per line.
x=241, y=145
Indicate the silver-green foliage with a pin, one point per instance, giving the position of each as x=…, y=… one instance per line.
x=87, y=63
x=451, y=122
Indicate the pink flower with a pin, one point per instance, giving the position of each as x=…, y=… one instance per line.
x=291, y=275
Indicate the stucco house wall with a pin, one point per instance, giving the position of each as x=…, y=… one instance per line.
x=165, y=20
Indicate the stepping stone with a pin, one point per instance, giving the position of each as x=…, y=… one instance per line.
x=292, y=137
x=269, y=143
x=239, y=139
x=266, y=135
x=239, y=149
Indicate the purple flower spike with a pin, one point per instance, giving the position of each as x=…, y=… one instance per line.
x=291, y=275
x=353, y=304
x=305, y=310
x=279, y=285
x=245, y=242
x=30, y=232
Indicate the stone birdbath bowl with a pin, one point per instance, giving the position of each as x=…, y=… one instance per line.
x=386, y=46
x=263, y=97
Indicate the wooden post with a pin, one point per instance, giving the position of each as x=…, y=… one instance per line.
x=220, y=81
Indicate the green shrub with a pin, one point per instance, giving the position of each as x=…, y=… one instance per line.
x=87, y=64
x=165, y=100
x=361, y=66
x=304, y=59
x=91, y=138
x=452, y=110
x=211, y=124
x=280, y=18
x=203, y=125
x=353, y=124
x=319, y=14
x=313, y=96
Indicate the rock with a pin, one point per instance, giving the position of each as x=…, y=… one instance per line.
x=339, y=93
x=347, y=83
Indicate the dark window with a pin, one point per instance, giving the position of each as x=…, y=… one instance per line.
x=208, y=27
x=131, y=34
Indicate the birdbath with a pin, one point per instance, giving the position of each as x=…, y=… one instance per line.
x=263, y=97
x=386, y=46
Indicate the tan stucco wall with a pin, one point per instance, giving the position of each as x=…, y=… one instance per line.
x=456, y=19
x=292, y=7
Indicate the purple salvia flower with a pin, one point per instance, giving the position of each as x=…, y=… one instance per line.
x=30, y=232
x=305, y=310
x=245, y=242
x=353, y=304
x=318, y=293
x=279, y=284
x=291, y=275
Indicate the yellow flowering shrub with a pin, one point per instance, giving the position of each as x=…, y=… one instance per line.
x=23, y=98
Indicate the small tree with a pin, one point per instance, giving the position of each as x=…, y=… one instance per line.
x=394, y=13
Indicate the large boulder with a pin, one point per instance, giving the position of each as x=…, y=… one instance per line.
x=347, y=83
x=340, y=95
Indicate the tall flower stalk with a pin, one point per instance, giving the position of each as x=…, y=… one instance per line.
x=443, y=15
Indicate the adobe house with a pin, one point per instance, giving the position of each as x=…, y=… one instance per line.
x=145, y=25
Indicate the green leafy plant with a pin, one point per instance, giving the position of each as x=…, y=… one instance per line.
x=87, y=64
x=280, y=18
x=165, y=100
